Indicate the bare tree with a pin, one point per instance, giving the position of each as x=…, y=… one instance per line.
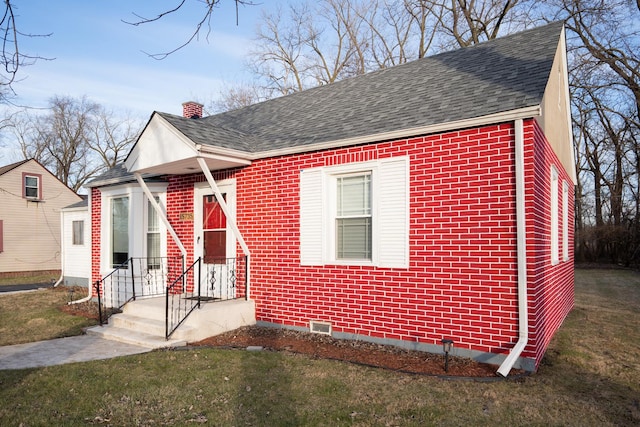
x=11, y=55
x=75, y=139
x=202, y=26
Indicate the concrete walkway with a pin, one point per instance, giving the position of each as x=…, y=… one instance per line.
x=64, y=350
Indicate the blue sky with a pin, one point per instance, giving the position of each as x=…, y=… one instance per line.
x=96, y=55
x=99, y=56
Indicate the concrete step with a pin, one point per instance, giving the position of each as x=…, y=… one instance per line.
x=149, y=326
x=129, y=336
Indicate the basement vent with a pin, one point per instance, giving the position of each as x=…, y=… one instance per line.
x=320, y=327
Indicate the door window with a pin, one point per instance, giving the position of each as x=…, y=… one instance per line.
x=214, y=227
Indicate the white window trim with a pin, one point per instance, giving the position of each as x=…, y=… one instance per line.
x=137, y=221
x=37, y=186
x=555, y=219
x=390, y=244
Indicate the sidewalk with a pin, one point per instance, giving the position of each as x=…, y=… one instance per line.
x=59, y=351
x=20, y=288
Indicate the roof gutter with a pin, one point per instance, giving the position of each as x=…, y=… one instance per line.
x=523, y=316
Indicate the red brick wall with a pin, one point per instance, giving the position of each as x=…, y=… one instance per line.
x=461, y=282
x=551, y=288
x=96, y=233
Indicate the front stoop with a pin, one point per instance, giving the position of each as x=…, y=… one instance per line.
x=142, y=322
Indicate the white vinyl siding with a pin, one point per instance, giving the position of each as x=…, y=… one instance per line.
x=388, y=216
x=76, y=258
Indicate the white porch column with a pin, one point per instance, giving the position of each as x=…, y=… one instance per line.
x=230, y=219
x=162, y=215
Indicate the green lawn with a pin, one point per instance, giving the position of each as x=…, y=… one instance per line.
x=590, y=376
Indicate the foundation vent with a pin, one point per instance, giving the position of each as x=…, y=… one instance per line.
x=320, y=327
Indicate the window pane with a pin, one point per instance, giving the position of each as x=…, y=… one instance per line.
x=215, y=247
x=78, y=232
x=119, y=230
x=353, y=237
x=31, y=186
x=153, y=236
x=354, y=195
x=212, y=214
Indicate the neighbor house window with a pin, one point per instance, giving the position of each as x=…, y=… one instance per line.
x=554, y=216
x=353, y=216
x=153, y=236
x=119, y=230
x=1, y=237
x=31, y=186
x=78, y=232
x=565, y=220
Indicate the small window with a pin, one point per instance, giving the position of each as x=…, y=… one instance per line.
x=119, y=231
x=153, y=236
x=555, y=223
x=78, y=232
x=1, y=237
x=353, y=217
x=565, y=221
x=31, y=187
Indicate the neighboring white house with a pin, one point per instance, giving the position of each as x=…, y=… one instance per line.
x=76, y=244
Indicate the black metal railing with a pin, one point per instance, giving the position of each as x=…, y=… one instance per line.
x=225, y=278
x=180, y=300
x=135, y=278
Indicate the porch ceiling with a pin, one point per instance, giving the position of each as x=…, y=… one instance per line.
x=190, y=165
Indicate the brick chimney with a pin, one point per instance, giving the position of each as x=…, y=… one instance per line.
x=191, y=110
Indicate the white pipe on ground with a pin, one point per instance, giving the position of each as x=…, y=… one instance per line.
x=523, y=317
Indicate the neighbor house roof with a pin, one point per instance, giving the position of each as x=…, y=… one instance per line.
x=505, y=74
x=7, y=168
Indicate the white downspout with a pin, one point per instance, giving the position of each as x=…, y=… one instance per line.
x=161, y=215
x=61, y=250
x=230, y=219
x=523, y=317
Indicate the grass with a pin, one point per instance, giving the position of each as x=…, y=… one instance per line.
x=34, y=278
x=590, y=376
x=34, y=316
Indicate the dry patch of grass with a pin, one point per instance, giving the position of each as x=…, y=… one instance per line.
x=34, y=316
x=34, y=278
x=590, y=376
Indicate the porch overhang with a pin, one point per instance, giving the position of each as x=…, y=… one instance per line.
x=163, y=150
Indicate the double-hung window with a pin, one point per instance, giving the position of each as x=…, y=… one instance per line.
x=555, y=223
x=356, y=214
x=119, y=231
x=353, y=216
x=31, y=186
x=153, y=236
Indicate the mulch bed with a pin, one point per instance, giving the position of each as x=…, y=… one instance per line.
x=364, y=353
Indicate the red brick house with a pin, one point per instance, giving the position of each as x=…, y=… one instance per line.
x=425, y=201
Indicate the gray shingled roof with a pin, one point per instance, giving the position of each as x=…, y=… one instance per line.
x=7, y=168
x=118, y=175
x=501, y=75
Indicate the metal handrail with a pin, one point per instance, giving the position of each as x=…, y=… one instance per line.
x=177, y=312
x=150, y=275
